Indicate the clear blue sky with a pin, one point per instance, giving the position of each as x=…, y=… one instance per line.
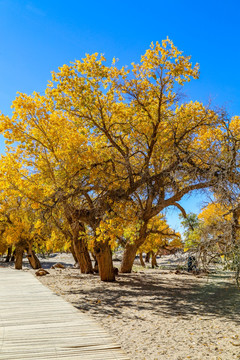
x=39, y=36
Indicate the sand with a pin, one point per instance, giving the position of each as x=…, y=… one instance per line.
x=157, y=314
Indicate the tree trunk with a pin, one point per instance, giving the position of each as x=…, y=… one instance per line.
x=203, y=257
x=9, y=253
x=33, y=259
x=73, y=253
x=80, y=248
x=19, y=257
x=128, y=258
x=141, y=259
x=13, y=255
x=235, y=226
x=154, y=260
x=131, y=250
x=147, y=257
x=78, y=238
x=95, y=268
x=82, y=255
x=104, y=258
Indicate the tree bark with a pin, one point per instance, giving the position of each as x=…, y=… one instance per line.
x=235, y=226
x=19, y=257
x=73, y=253
x=78, y=239
x=154, y=260
x=82, y=255
x=103, y=254
x=131, y=250
x=147, y=257
x=128, y=258
x=13, y=255
x=33, y=259
x=95, y=268
x=141, y=259
x=80, y=248
x=9, y=253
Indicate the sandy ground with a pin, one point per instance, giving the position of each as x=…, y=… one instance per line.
x=157, y=314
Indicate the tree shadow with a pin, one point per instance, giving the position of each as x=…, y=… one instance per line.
x=181, y=296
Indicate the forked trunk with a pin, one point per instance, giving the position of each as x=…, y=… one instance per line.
x=103, y=254
x=79, y=245
x=141, y=259
x=19, y=257
x=128, y=258
x=32, y=258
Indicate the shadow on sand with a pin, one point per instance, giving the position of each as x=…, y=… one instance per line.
x=213, y=296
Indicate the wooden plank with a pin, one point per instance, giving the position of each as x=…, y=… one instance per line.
x=36, y=324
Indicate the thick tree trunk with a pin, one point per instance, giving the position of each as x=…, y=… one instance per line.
x=104, y=258
x=19, y=257
x=82, y=255
x=131, y=250
x=80, y=248
x=128, y=258
x=33, y=259
x=9, y=253
x=78, y=239
x=141, y=259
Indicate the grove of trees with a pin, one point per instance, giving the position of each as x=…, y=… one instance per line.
x=91, y=164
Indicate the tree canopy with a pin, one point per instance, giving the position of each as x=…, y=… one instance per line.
x=107, y=149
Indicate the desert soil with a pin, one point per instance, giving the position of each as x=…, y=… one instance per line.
x=157, y=314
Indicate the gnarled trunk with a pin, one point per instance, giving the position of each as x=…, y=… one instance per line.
x=32, y=258
x=82, y=255
x=80, y=248
x=19, y=257
x=103, y=254
x=128, y=258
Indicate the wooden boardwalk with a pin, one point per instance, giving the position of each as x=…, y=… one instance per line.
x=38, y=324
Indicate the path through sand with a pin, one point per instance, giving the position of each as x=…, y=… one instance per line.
x=157, y=314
